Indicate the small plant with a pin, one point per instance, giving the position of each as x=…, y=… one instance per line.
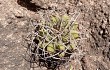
x=71, y=67
x=55, y=40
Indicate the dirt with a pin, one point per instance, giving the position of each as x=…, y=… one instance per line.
x=16, y=17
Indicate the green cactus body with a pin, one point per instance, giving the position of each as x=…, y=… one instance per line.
x=50, y=48
x=61, y=47
x=62, y=54
x=75, y=26
x=74, y=34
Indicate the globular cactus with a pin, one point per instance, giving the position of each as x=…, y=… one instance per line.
x=56, y=39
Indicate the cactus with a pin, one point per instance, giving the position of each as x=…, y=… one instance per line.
x=74, y=34
x=55, y=38
x=50, y=48
x=62, y=54
x=61, y=47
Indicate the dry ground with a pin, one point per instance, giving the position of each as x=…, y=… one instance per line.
x=15, y=16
